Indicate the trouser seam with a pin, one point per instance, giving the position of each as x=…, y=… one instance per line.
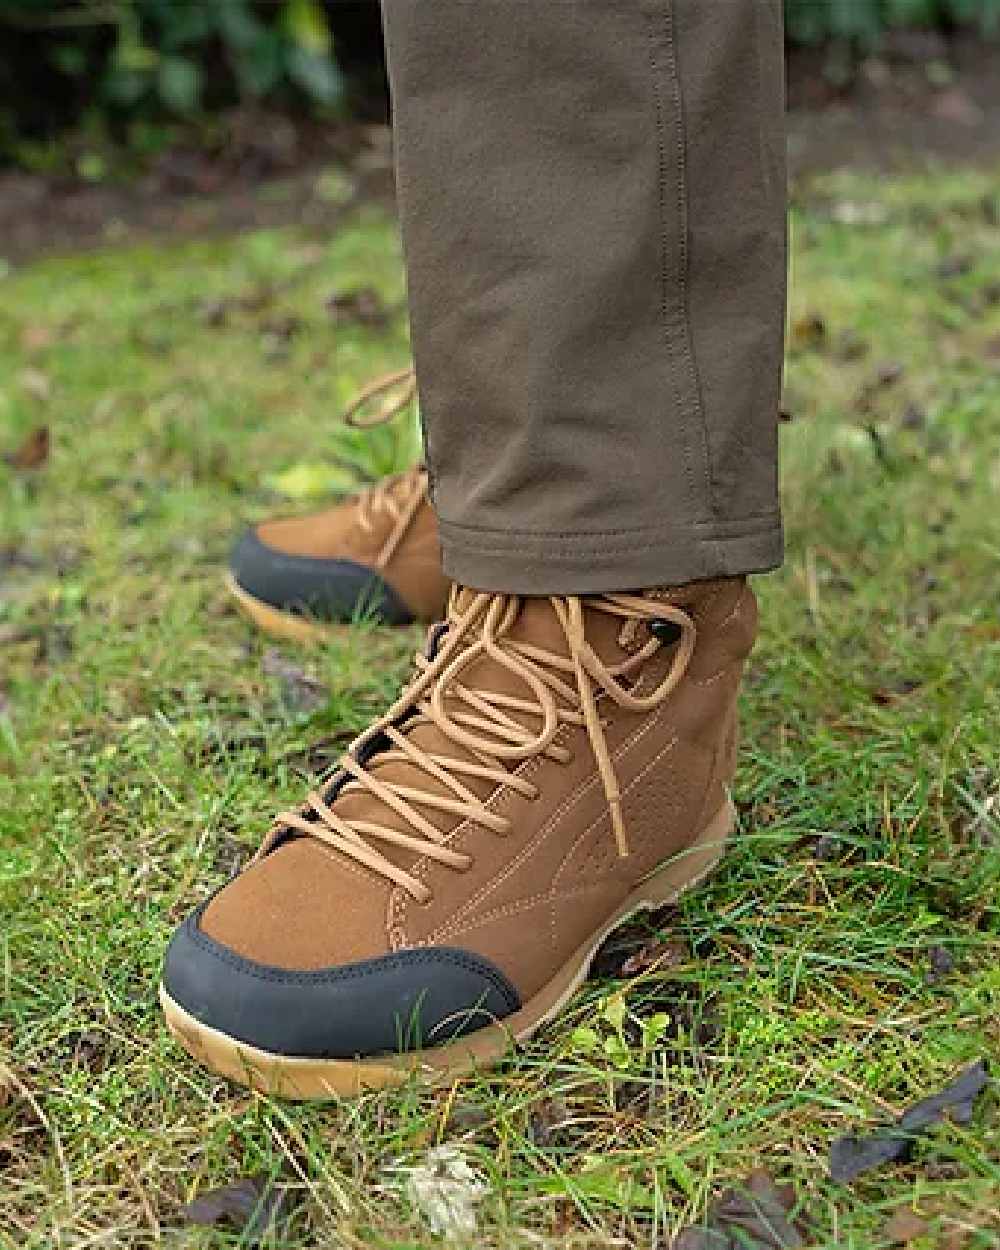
x=674, y=309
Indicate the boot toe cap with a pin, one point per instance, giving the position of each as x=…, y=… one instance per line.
x=328, y=589
x=410, y=1000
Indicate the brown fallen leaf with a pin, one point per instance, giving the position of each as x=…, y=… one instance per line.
x=851, y=1156
x=33, y=453
x=889, y=373
x=11, y=634
x=956, y=1239
x=548, y=1116
x=941, y=963
x=955, y=266
x=886, y=696
x=301, y=692
x=363, y=306
x=252, y=1205
x=35, y=338
x=755, y=1215
x=808, y=331
x=904, y=1226
x=914, y=418
x=655, y=955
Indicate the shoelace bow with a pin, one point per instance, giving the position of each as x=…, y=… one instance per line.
x=402, y=494
x=480, y=721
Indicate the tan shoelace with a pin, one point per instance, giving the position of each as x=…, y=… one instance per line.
x=397, y=391
x=480, y=722
x=402, y=494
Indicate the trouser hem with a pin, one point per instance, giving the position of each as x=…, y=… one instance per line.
x=513, y=562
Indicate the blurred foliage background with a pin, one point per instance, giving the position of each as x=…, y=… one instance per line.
x=126, y=70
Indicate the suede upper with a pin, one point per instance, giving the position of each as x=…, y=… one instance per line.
x=322, y=560
x=528, y=898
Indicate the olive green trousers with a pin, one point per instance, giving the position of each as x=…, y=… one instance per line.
x=593, y=202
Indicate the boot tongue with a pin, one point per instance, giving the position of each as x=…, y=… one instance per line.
x=537, y=625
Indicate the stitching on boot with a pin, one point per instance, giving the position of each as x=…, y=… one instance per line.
x=544, y=833
x=553, y=893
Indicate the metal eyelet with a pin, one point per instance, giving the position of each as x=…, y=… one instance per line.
x=666, y=632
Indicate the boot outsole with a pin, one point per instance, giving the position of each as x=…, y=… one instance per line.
x=273, y=621
x=297, y=1078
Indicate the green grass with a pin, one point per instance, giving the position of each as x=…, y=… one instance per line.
x=143, y=751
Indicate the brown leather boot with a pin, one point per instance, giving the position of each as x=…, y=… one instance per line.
x=375, y=556
x=554, y=766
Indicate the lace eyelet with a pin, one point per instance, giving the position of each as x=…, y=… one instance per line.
x=666, y=632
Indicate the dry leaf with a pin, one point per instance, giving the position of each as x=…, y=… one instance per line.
x=655, y=955
x=252, y=1205
x=850, y=1156
x=955, y=266
x=942, y=962
x=363, y=306
x=35, y=338
x=33, y=453
x=755, y=1215
x=547, y=1117
x=886, y=696
x=904, y=1226
x=301, y=692
x=808, y=331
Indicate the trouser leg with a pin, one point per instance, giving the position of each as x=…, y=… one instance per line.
x=592, y=196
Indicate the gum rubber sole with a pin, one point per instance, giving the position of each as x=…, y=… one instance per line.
x=275, y=622
x=289, y=1076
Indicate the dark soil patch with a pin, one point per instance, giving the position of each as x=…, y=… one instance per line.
x=269, y=172
x=922, y=100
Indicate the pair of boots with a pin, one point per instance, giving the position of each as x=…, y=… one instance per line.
x=553, y=766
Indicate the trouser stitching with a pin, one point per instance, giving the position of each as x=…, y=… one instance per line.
x=676, y=320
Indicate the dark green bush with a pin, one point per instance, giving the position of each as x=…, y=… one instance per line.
x=124, y=67
x=863, y=21
x=176, y=54
x=66, y=61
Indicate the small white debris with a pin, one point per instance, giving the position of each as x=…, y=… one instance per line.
x=446, y=1191
x=855, y=213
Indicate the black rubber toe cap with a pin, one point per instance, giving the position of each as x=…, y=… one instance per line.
x=412, y=1000
x=329, y=590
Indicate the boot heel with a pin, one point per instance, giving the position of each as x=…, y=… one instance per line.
x=689, y=867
